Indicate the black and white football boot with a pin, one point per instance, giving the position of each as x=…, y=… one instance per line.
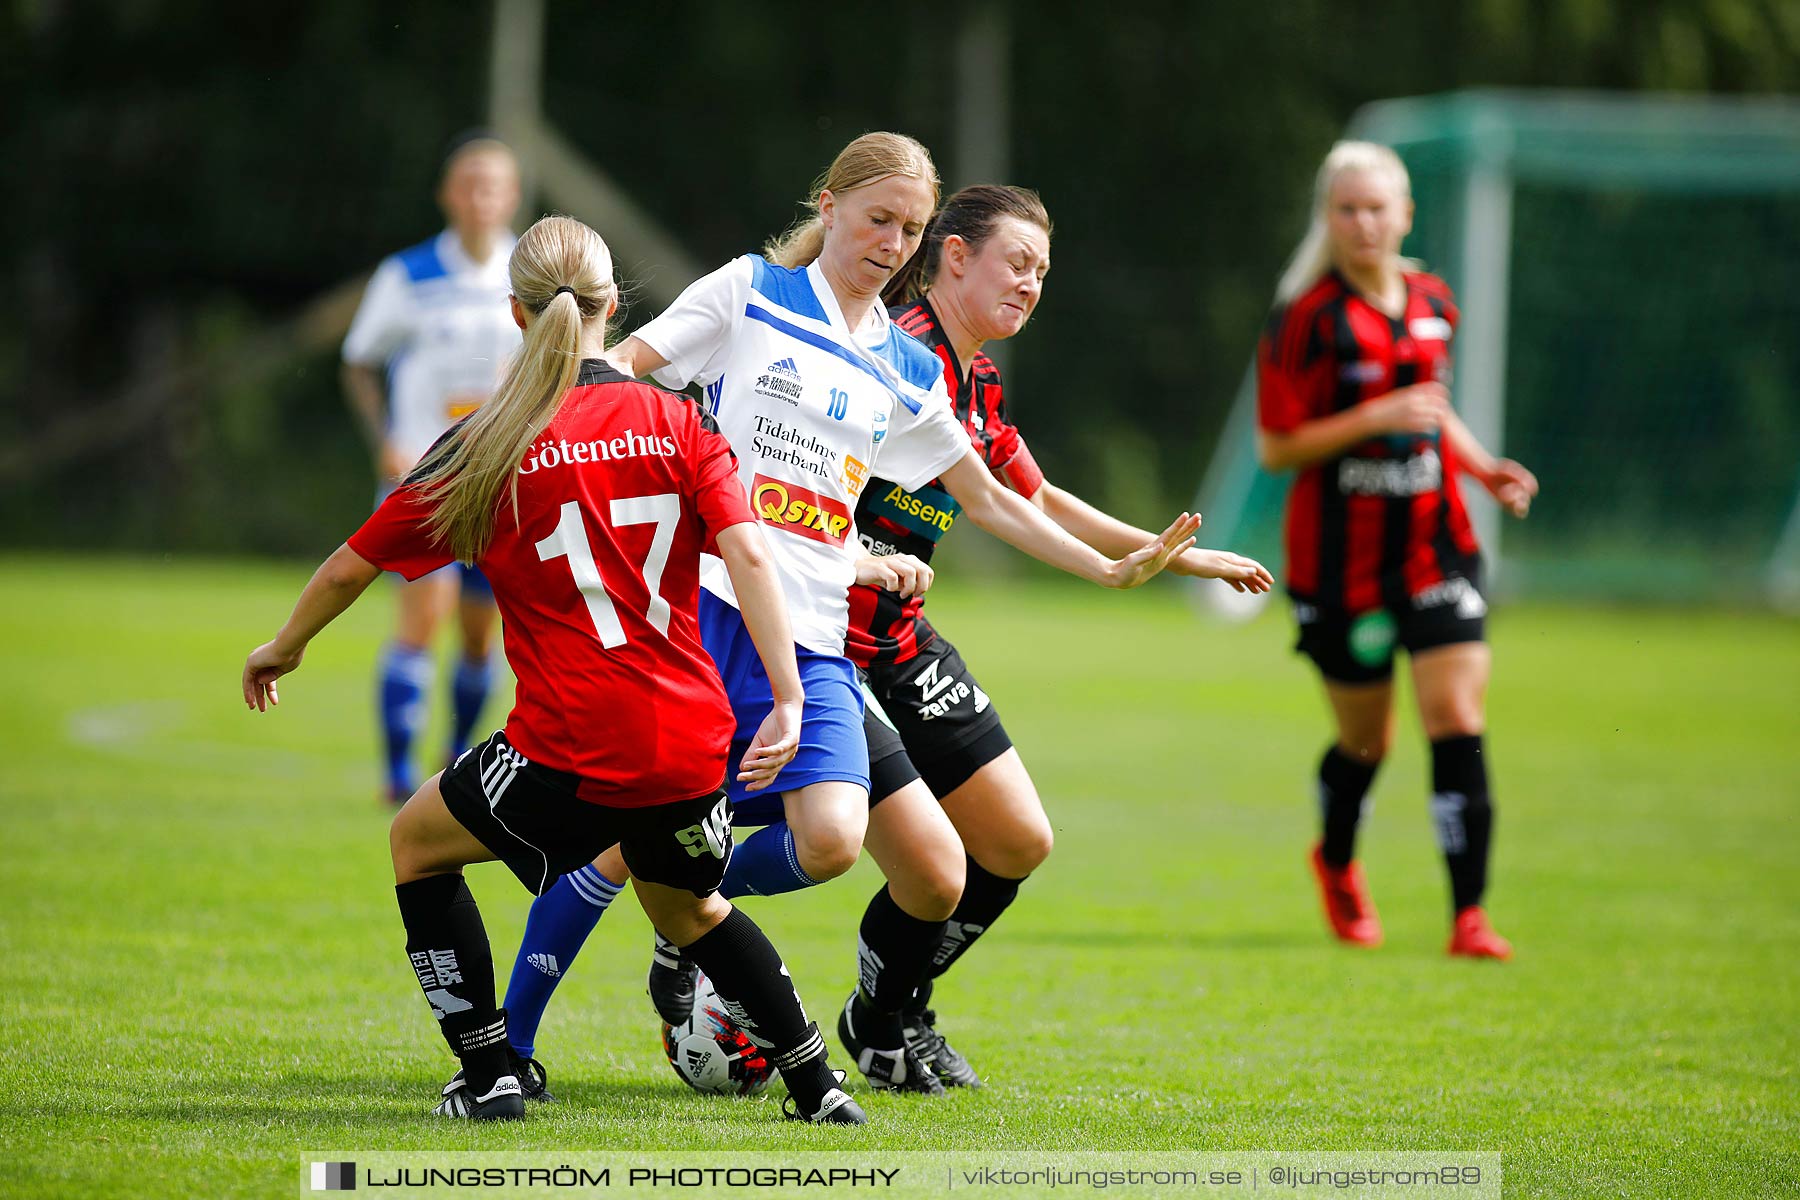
x=505, y=1101
x=897, y=1070
x=836, y=1108
x=534, y=1081
x=673, y=977
x=919, y=1024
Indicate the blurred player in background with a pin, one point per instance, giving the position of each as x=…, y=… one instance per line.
x=1353, y=396
x=427, y=346
x=587, y=498
x=977, y=278
x=817, y=391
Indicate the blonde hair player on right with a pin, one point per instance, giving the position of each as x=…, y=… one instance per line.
x=1354, y=398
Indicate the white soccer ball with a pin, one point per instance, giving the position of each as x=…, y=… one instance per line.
x=712, y=1053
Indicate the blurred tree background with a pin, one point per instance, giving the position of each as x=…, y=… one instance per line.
x=188, y=180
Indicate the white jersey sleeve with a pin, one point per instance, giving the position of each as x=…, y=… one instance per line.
x=922, y=445
x=384, y=319
x=696, y=333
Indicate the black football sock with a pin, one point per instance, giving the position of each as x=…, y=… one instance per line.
x=750, y=978
x=893, y=950
x=985, y=896
x=1343, y=787
x=449, y=951
x=1462, y=814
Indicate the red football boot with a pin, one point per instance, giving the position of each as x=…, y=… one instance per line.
x=1347, y=904
x=1473, y=937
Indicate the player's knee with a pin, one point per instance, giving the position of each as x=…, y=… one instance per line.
x=1366, y=749
x=1452, y=715
x=406, y=849
x=1022, y=852
x=930, y=891
x=826, y=853
x=1454, y=721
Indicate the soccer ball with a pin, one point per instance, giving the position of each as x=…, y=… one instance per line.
x=712, y=1053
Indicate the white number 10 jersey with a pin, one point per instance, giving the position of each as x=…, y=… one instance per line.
x=812, y=411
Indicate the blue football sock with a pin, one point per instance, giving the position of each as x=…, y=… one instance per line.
x=406, y=673
x=765, y=864
x=560, y=922
x=469, y=692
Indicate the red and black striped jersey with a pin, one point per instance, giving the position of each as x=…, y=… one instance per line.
x=891, y=520
x=1383, y=521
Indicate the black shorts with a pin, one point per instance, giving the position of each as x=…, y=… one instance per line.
x=1359, y=647
x=533, y=821
x=943, y=726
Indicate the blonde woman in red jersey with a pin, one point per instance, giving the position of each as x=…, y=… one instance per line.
x=586, y=499
x=1353, y=395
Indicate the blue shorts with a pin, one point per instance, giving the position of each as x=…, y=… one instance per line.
x=831, y=723
x=475, y=585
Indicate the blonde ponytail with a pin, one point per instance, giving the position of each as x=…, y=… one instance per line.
x=561, y=273
x=870, y=157
x=1312, y=258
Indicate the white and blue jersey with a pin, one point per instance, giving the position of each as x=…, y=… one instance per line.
x=813, y=409
x=439, y=322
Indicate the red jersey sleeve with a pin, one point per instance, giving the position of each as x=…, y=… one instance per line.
x=1006, y=453
x=1009, y=458
x=394, y=538
x=1285, y=359
x=718, y=494
x=1439, y=295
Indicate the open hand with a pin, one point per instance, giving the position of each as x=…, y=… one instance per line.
x=1146, y=561
x=1244, y=574
x=1512, y=485
x=264, y=666
x=773, y=747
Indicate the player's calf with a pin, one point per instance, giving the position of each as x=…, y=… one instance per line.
x=447, y=947
x=754, y=985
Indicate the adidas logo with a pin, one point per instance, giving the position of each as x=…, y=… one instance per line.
x=545, y=963
x=506, y=1085
x=785, y=367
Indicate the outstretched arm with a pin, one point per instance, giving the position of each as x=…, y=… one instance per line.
x=1109, y=535
x=764, y=608
x=333, y=588
x=1508, y=482
x=1014, y=520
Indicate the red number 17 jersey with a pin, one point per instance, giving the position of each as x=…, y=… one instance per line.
x=597, y=583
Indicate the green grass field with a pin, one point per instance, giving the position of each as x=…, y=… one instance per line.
x=203, y=971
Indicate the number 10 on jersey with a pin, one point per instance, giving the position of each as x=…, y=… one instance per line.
x=570, y=542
